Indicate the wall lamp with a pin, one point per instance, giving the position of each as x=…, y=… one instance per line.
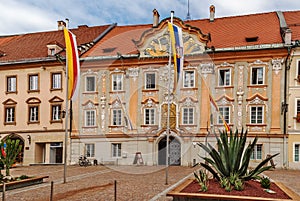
x=29, y=139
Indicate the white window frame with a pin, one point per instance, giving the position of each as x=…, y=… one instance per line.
x=33, y=113
x=90, y=83
x=116, y=150
x=188, y=115
x=225, y=79
x=90, y=150
x=9, y=114
x=256, y=82
x=149, y=116
x=296, y=151
x=256, y=115
x=226, y=116
x=116, y=117
x=149, y=82
x=11, y=83
x=257, y=152
x=117, y=82
x=90, y=118
x=33, y=82
x=188, y=78
x=56, y=112
x=56, y=80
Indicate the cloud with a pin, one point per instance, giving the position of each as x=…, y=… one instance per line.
x=21, y=16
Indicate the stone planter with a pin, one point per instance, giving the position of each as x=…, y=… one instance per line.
x=180, y=194
x=23, y=183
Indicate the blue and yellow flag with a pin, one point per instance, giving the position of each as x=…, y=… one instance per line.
x=177, y=49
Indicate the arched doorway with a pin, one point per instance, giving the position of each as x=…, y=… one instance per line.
x=174, y=151
x=19, y=159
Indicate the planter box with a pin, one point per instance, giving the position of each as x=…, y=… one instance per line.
x=23, y=183
x=178, y=195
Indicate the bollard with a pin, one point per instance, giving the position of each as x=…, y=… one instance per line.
x=51, y=191
x=115, y=190
x=3, y=191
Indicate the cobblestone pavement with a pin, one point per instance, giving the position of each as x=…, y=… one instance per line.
x=289, y=178
x=97, y=182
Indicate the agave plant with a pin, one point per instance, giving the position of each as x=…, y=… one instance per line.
x=232, y=157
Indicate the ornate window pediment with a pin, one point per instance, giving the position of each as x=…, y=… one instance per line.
x=155, y=42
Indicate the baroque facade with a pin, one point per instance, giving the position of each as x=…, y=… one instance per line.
x=248, y=64
x=122, y=109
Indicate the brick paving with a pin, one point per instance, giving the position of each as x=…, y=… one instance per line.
x=97, y=182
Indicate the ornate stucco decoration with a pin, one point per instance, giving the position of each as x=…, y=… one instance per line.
x=133, y=73
x=207, y=68
x=277, y=64
x=225, y=64
x=257, y=99
x=188, y=102
x=155, y=42
x=89, y=105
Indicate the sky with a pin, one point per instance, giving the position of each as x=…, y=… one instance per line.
x=27, y=16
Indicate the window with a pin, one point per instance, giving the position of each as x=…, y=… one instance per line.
x=33, y=84
x=150, y=81
x=117, y=82
x=256, y=115
x=296, y=153
x=90, y=118
x=90, y=150
x=33, y=113
x=56, y=112
x=149, y=116
x=224, y=77
x=189, y=79
x=9, y=115
x=90, y=83
x=298, y=67
x=225, y=112
x=11, y=84
x=188, y=116
x=298, y=110
x=257, y=152
x=117, y=117
x=56, y=81
x=116, y=150
x=257, y=75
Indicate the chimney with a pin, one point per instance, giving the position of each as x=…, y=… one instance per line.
x=212, y=13
x=288, y=37
x=61, y=24
x=155, y=18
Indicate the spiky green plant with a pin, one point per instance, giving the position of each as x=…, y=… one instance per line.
x=265, y=182
x=232, y=157
x=202, y=180
x=13, y=148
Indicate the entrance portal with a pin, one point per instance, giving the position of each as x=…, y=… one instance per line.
x=174, y=151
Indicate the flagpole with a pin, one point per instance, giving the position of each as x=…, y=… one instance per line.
x=66, y=125
x=168, y=117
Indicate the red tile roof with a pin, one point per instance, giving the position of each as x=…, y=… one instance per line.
x=225, y=32
x=292, y=19
x=34, y=45
x=232, y=31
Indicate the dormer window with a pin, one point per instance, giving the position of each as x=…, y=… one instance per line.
x=54, y=48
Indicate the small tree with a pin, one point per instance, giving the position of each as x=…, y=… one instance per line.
x=8, y=156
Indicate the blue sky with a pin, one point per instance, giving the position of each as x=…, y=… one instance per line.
x=25, y=16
